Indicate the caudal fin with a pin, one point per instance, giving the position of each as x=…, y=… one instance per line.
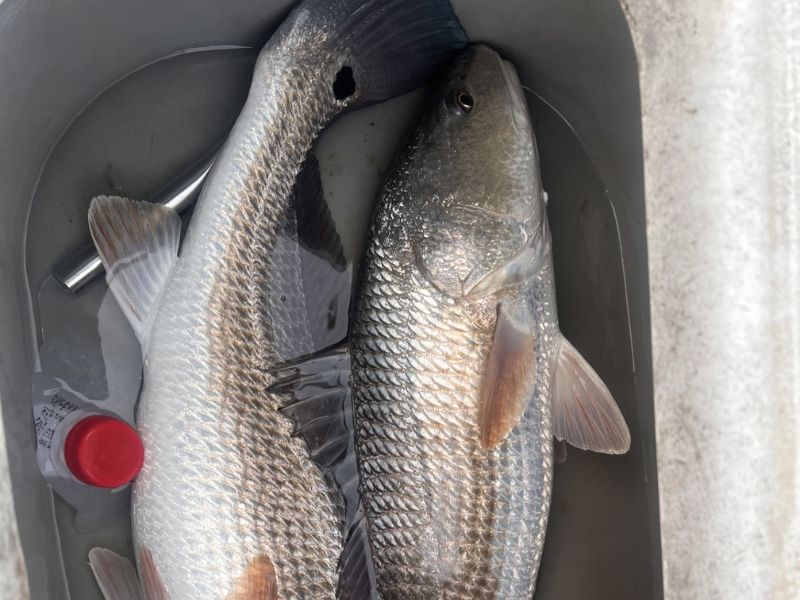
x=389, y=47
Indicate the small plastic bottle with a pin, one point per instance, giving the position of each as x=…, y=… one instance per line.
x=86, y=455
x=83, y=394
x=97, y=450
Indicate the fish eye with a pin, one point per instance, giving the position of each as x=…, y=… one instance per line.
x=463, y=100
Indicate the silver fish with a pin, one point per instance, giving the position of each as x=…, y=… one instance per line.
x=460, y=376
x=228, y=504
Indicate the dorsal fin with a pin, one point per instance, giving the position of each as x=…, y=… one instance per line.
x=509, y=379
x=138, y=244
x=321, y=408
x=356, y=573
x=584, y=412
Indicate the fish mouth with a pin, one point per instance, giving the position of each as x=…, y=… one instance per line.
x=514, y=86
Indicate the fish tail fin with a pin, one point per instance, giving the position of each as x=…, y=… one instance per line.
x=389, y=47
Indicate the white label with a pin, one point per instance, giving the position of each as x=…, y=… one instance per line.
x=49, y=416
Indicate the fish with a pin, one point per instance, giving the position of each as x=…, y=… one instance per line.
x=458, y=376
x=228, y=504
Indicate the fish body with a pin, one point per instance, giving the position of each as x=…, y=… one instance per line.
x=460, y=376
x=228, y=503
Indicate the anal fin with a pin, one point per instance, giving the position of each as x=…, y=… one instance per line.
x=321, y=408
x=584, y=412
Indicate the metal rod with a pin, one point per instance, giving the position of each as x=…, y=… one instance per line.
x=83, y=267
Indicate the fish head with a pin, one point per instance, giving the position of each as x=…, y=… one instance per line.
x=481, y=219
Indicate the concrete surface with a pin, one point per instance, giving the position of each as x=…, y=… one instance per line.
x=719, y=83
x=13, y=578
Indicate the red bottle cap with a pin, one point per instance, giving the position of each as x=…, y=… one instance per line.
x=103, y=451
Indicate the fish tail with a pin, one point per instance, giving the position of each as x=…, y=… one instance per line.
x=389, y=47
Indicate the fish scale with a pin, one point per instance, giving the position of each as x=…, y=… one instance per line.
x=446, y=516
x=229, y=504
x=459, y=375
x=432, y=423
x=248, y=312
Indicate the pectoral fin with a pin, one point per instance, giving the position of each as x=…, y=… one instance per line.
x=138, y=244
x=508, y=381
x=584, y=412
x=115, y=575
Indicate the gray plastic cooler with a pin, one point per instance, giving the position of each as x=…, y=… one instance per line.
x=121, y=97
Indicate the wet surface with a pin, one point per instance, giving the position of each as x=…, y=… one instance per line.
x=598, y=539
x=132, y=140
x=148, y=128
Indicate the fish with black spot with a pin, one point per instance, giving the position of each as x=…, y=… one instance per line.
x=228, y=504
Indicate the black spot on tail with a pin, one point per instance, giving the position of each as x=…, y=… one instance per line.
x=345, y=84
